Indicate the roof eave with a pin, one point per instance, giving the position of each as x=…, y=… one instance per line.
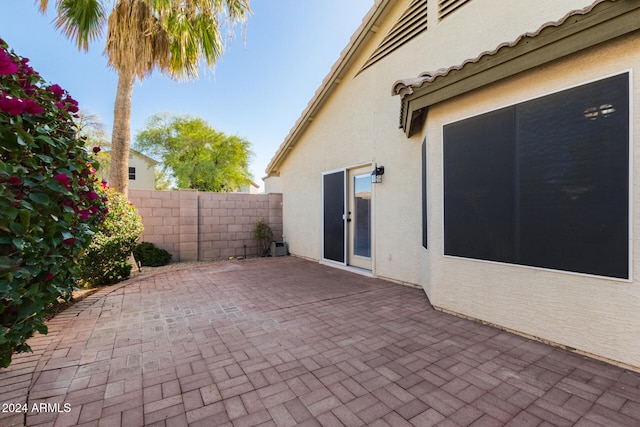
x=329, y=84
x=579, y=30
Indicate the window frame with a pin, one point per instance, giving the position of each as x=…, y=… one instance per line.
x=425, y=196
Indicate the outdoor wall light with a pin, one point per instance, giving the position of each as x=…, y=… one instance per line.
x=376, y=175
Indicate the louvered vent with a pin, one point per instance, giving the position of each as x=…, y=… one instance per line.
x=412, y=22
x=447, y=7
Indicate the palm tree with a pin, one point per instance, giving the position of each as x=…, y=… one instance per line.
x=173, y=36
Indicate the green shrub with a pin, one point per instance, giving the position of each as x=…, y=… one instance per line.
x=151, y=256
x=49, y=202
x=107, y=260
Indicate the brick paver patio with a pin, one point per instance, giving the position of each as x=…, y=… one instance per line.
x=284, y=342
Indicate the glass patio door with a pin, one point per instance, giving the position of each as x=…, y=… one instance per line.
x=359, y=217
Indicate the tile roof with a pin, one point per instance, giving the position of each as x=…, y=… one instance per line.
x=406, y=86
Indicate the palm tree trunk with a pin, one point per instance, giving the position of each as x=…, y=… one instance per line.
x=121, y=135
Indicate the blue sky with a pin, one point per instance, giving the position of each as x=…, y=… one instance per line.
x=258, y=90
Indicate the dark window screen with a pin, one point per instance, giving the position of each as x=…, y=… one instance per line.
x=544, y=183
x=479, y=187
x=333, y=218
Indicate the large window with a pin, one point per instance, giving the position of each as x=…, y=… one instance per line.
x=544, y=183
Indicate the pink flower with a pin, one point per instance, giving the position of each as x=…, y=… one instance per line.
x=84, y=214
x=26, y=68
x=96, y=150
x=15, y=181
x=48, y=277
x=69, y=241
x=62, y=179
x=7, y=66
x=32, y=108
x=92, y=195
x=71, y=104
x=11, y=105
x=57, y=91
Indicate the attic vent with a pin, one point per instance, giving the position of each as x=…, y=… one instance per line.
x=412, y=22
x=447, y=7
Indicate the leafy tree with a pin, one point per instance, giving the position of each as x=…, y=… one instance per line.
x=162, y=180
x=198, y=156
x=173, y=36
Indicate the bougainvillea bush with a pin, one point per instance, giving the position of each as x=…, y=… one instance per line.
x=107, y=259
x=50, y=202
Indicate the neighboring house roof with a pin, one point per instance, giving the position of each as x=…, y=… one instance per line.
x=107, y=149
x=139, y=154
x=368, y=27
x=580, y=29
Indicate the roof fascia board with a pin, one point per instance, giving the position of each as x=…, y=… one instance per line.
x=579, y=32
x=329, y=83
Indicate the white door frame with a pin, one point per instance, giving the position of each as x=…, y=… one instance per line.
x=347, y=238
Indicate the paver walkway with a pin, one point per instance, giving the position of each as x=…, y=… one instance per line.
x=283, y=342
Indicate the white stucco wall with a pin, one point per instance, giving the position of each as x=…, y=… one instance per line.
x=595, y=315
x=345, y=134
x=272, y=184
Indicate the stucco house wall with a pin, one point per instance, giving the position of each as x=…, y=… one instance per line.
x=144, y=172
x=144, y=169
x=593, y=314
x=353, y=120
x=358, y=125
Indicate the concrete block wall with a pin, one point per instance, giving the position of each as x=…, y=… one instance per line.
x=199, y=226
